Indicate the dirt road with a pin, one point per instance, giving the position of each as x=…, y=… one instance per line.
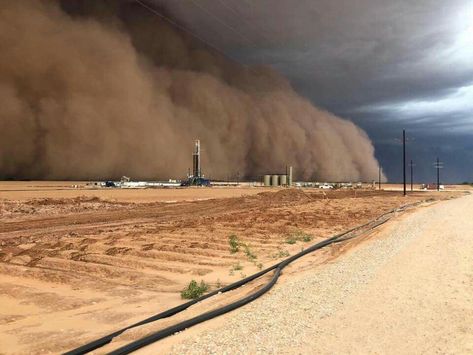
x=408, y=290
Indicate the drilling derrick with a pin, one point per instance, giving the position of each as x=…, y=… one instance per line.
x=196, y=170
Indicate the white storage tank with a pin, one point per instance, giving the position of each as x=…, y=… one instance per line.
x=267, y=180
x=283, y=180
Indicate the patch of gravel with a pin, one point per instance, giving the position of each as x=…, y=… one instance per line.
x=282, y=318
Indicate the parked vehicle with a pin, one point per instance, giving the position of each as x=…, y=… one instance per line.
x=325, y=186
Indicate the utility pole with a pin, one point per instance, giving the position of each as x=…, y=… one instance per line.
x=404, y=159
x=438, y=165
x=379, y=178
x=412, y=174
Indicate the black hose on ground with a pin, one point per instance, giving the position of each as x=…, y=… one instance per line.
x=84, y=349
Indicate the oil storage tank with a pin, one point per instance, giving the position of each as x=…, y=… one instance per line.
x=267, y=180
x=283, y=180
x=275, y=180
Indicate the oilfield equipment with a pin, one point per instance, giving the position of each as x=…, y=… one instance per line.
x=196, y=169
x=197, y=178
x=278, y=179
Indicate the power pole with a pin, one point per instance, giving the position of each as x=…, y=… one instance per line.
x=438, y=165
x=379, y=178
x=404, y=159
x=412, y=174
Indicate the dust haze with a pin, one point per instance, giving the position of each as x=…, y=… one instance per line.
x=94, y=90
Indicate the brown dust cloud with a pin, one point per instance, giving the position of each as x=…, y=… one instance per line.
x=101, y=89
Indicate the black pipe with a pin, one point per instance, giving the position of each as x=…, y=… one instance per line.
x=138, y=344
x=206, y=316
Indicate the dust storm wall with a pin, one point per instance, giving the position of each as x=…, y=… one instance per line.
x=94, y=90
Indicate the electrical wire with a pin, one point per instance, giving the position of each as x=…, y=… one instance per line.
x=186, y=30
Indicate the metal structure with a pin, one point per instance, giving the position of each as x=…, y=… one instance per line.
x=283, y=180
x=438, y=165
x=274, y=180
x=411, y=165
x=289, y=181
x=267, y=180
x=379, y=177
x=196, y=178
x=404, y=159
x=196, y=167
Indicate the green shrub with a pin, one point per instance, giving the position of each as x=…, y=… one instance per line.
x=306, y=238
x=234, y=243
x=298, y=236
x=291, y=239
x=194, y=290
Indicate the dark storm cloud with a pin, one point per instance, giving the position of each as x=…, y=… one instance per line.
x=384, y=64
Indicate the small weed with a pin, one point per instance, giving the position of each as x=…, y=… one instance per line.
x=259, y=266
x=237, y=267
x=194, y=290
x=250, y=255
x=306, y=238
x=291, y=239
x=234, y=243
x=298, y=236
x=219, y=284
x=282, y=254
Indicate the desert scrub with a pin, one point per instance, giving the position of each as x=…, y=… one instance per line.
x=291, y=240
x=194, y=290
x=249, y=253
x=281, y=254
x=306, y=238
x=298, y=236
x=234, y=243
x=237, y=267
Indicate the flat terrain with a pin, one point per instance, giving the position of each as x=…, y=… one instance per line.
x=24, y=191
x=77, y=263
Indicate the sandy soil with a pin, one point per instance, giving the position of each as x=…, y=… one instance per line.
x=421, y=301
x=407, y=290
x=23, y=191
x=75, y=264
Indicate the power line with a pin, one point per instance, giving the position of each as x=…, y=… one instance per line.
x=207, y=11
x=239, y=17
x=174, y=23
x=238, y=14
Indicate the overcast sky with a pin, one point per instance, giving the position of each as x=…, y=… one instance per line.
x=385, y=64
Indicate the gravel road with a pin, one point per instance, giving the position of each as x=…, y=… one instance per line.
x=409, y=290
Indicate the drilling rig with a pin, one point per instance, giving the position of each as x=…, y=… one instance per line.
x=196, y=178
